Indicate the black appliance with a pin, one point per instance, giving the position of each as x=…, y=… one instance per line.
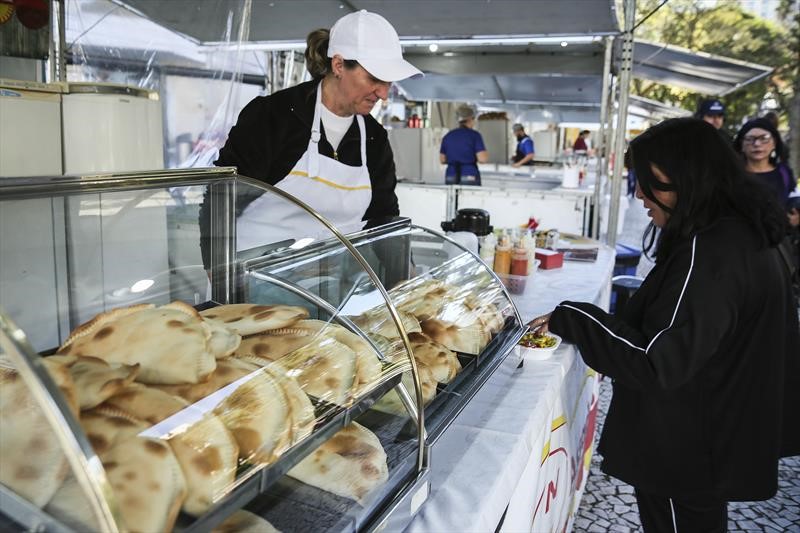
x=474, y=220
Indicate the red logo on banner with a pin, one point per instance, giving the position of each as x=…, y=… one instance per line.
x=551, y=491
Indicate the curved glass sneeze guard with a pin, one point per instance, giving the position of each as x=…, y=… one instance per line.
x=209, y=400
x=460, y=320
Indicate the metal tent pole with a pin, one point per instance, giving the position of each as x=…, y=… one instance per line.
x=626, y=65
x=602, y=156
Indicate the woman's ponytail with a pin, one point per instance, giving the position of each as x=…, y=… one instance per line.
x=317, y=61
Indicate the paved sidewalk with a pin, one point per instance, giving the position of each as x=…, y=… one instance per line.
x=609, y=504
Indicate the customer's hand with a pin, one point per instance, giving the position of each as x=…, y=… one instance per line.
x=540, y=324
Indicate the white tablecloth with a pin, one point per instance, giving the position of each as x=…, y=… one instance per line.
x=520, y=444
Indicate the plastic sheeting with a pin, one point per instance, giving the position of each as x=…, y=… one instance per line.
x=202, y=88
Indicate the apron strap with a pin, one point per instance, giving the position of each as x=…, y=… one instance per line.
x=362, y=130
x=316, y=135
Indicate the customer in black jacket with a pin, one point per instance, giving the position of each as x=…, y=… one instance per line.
x=705, y=355
x=317, y=141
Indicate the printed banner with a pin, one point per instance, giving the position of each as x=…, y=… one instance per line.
x=550, y=489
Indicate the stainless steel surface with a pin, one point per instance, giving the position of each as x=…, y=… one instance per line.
x=392, y=310
x=62, y=295
x=602, y=144
x=611, y=133
x=80, y=455
x=505, y=181
x=61, y=52
x=392, y=518
x=408, y=403
x=223, y=273
x=74, y=184
x=27, y=514
x=622, y=120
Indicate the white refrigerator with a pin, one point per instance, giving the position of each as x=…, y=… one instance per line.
x=111, y=128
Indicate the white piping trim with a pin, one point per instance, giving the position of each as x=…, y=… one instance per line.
x=683, y=290
x=672, y=509
x=626, y=341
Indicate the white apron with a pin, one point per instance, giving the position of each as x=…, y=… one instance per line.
x=340, y=193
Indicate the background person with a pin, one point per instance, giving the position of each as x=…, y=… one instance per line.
x=774, y=119
x=580, y=142
x=462, y=149
x=705, y=356
x=761, y=147
x=711, y=111
x=525, y=152
x=317, y=140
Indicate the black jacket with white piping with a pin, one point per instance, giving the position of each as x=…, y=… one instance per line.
x=704, y=360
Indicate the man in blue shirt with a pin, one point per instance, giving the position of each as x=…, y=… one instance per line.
x=524, y=155
x=462, y=149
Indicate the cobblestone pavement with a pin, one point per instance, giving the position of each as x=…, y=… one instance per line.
x=610, y=505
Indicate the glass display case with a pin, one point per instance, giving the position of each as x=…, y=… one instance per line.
x=170, y=363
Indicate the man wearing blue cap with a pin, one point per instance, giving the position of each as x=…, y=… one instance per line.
x=712, y=111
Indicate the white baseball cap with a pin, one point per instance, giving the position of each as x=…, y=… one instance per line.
x=369, y=39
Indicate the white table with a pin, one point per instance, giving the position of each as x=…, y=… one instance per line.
x=522, y=446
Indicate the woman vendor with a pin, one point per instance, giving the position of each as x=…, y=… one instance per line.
x=317, y=140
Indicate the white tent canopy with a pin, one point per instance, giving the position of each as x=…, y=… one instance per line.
x=696, y=71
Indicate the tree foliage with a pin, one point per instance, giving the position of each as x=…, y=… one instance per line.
x=723, y=28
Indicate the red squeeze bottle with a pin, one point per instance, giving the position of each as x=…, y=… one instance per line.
x=519, y=261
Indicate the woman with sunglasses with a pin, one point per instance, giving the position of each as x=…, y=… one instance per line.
x=705, y=352
x=762, y=148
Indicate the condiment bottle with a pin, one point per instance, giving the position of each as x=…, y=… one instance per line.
x=502, y=256
x=528, y=241
x=519, y=260
x=487, y=249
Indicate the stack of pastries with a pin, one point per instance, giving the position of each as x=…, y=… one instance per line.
x=175, y=402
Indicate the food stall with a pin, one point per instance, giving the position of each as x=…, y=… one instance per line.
x=280, y=406
x=134, y=431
